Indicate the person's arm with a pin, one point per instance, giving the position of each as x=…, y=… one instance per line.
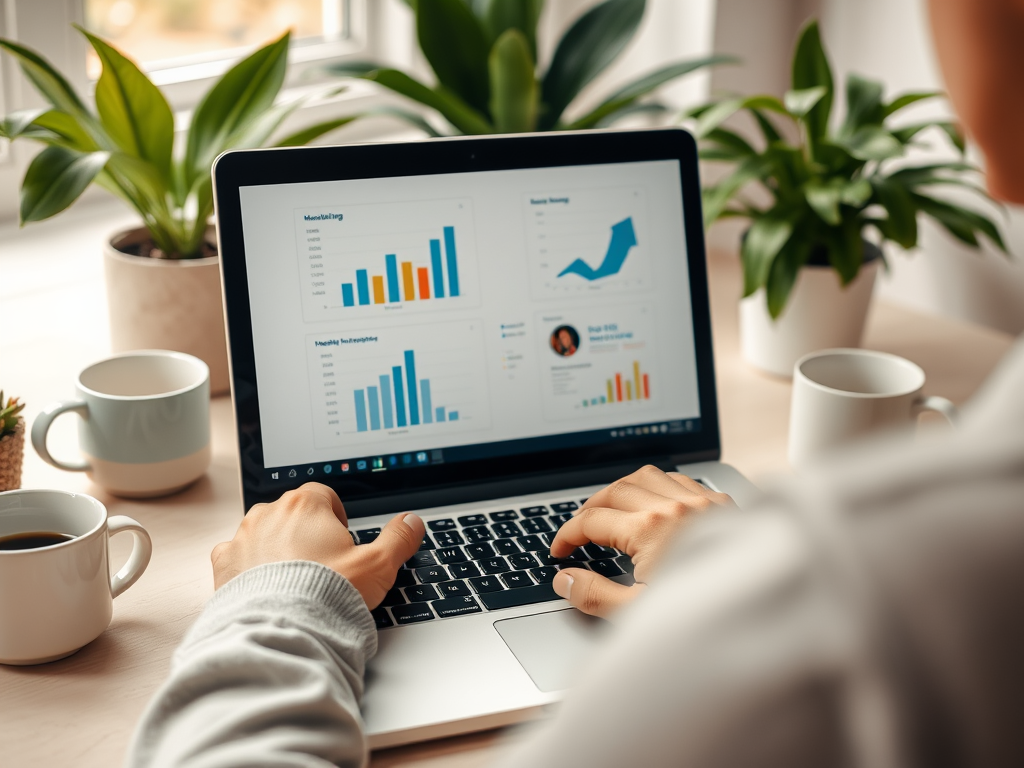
x=272, y=672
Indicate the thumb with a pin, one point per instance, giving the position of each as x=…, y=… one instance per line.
x=400, y=539
x=591, y=592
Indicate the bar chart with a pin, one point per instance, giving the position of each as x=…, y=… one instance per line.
x=623, y=388
x=400, y=399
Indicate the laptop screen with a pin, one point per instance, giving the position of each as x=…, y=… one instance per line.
x=431, y=319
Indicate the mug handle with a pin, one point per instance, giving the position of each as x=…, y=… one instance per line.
x=939, y=405
x=41, y=426
x=142, y=550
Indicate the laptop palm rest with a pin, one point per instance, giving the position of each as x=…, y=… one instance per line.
x=552, y=647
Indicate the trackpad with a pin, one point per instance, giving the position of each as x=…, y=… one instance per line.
x=551, y=646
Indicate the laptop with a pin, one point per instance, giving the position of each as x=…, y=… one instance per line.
x=485, y=331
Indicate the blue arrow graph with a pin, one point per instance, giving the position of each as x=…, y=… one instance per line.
x=623, y=239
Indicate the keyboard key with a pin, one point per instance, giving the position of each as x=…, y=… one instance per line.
x=432, y=573
x=441, y=525
x=405, y=578
x=453, y=588
x=411, y=613
x=381, y=618
x=426, y=543
x=367, y=535
x=468, y=520
x=508, y=514
x=393, y=597
x=509, y=598
x=479, y=551
x=451, y=555
x=605, y=567
x=544, y=575
x=506, y=530
x=484, y=584
x=463, y=570
x=547, y=538
x=477, y=534
x=421, y=593
x=537, y=525
x=597, y=552
x=421, y=559
x=545, y=558
x=531, y=543
x=565, y=506
x=506, y=547
x=559, y=520
x=493, y=565
x=522, y=562
x=534, y=511
x=625, y=562
x=448, y=538
x=517, y=579
x=578, y=555
x=456, y=606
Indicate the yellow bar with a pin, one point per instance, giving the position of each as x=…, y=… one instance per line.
x=629, y=390
x=611, y=392
x=410, y=290
x=378, y=289
x=636, y=381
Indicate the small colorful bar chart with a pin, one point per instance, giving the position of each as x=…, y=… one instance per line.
x=405, y=281
x=398, y=400
x=623, y=388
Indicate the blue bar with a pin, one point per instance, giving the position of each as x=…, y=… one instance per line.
x=392, y=277
x=371, y=395
x=435, y=263
x=363, y=284
x=396, y=376
x=439, y=413
x=410, y=378
x=360, y=411
x=346, y=295
x=453, y=265
x=385, y=400
x=428, y=413
x=453, y=415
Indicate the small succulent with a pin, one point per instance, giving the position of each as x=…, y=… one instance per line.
x=9, y=411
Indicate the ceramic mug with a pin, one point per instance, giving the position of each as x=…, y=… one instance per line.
x=56, y=599
x=841, y=394
x=145, y=423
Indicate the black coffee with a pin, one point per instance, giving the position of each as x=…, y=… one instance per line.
x=33, y=540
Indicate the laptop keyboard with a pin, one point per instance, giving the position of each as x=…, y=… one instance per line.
x=486, y=562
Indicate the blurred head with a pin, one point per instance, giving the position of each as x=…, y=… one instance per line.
x=980, y=45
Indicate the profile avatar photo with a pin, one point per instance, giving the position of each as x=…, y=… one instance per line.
x=565, y=340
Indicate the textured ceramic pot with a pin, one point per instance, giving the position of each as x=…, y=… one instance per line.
x=821, y=314
x=166, y=304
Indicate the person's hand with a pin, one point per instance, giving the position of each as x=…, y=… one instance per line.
x=309, y=523
x=637, y=515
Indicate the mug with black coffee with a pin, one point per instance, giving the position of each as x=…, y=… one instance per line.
x=56, y=591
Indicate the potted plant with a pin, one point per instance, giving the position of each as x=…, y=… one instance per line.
x=808, y=267
x=12, y=442
x=484, y=57
x=163, y=278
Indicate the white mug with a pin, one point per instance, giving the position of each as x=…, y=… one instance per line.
x=56, y=599
x=145, y=423
x=842, y=394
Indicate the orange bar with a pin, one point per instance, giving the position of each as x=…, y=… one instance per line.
x=618, y=387
x=424, y=278
x=647, y=388
x=410, y=291
x=378, y=289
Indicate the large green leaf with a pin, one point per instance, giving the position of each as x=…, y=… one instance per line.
x=801, y=102
x=923, y=174
x=716, y=198
x=501, y=15
x=732, y=142
x=245, y=91
x=514, y=88
x=713, y=115
x=762, y=243
x=901, y=226
x=302, y=137
x=863, y=104
x=959, y=221
x=824, y=198
x=906, y=133
x=133, y=111
x=454, y=43
x=906, y=100
x=811, y=70
x=871, y=143
x=69, y=128
x=47, y=80
x=55, y=178
x=590, y=45
x=782, y=276
x=846, y=248
x=451, y=107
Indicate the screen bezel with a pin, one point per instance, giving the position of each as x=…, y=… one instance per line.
x=262, y=167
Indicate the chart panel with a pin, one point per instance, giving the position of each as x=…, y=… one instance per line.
x=359, y=261
x=582, y=242
x=391, y=383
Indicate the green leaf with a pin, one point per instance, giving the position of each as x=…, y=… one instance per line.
x=69, y=128
x=12, y=126
x=824, y=197
x=856, y=193
x=762, y=243
x=308, y=134
x=771, y=135
x=451, y=107
x=924, y=174
x=732, y=141
x=133, y=111
x=245, y=92
x=782, y=276
x=716, y=198
x=635, y=108
x=908, y=132
x=499, y=16
x=863, y=104
x=513, y=84
x=898, y=203
x=960, y=222
x=906, y=100
x=405, y=115
x=811, y=70
x=872, y=143
x=801, y=102
x=590, y=45
x=453, y=41
x=55, y=178
x=846, y=248
x=46, y=79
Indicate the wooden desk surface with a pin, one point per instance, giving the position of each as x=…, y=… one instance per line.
x=81, y=711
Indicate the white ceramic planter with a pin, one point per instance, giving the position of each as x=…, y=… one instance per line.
x=820, y=314
x=166, y=304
